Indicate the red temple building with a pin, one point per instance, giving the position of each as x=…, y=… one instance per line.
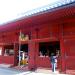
x=52, y=30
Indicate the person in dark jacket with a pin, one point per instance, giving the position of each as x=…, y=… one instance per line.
x=53, y=61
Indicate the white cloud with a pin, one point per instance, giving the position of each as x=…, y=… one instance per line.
x=9, y=9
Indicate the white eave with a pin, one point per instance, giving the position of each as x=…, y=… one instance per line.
x=41, y=9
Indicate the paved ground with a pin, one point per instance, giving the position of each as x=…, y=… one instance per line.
x=9, y=71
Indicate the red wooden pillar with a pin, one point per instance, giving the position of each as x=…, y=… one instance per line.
x=15, y=54
x=31, y=52
x=62, y=50
x=36, y=53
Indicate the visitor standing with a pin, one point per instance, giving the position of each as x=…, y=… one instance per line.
x=53, y=61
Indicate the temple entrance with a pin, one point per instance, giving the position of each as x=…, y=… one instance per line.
x=24, y=54
x=46, y=49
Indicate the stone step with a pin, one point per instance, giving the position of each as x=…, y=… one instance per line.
x=6, y=65
x=48, y=71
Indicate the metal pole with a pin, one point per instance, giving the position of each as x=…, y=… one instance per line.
x=19, y=48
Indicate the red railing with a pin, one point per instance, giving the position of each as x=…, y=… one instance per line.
x=7, y=59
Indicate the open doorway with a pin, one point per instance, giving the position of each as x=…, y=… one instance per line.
x=24, y=54
x=47, y=48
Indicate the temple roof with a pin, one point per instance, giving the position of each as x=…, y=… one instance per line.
x=66, y=10
x=36, y=10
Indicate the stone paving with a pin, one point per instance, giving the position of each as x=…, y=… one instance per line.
x=22, y=70
x=9, y=71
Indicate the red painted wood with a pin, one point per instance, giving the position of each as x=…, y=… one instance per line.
x=31, y=52
x=62, y=51
x=43, y=62
x=16, y=53
x=45, y=27
x=7, y=59
x=70, y=46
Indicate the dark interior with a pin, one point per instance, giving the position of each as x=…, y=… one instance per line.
x=46, y=48
x=24, y=47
